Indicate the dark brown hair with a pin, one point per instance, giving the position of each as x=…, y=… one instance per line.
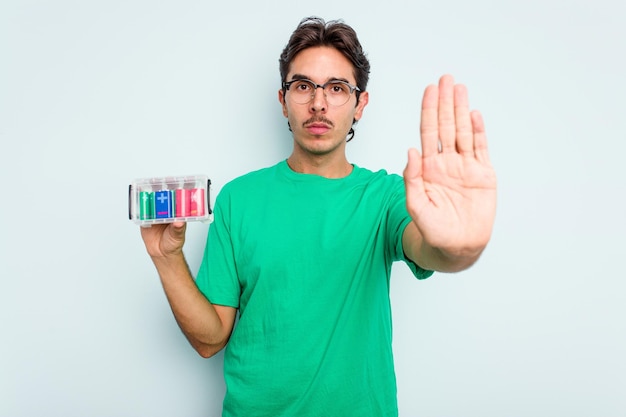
x=314, y=31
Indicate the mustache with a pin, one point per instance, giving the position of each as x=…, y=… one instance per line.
x=318, y=119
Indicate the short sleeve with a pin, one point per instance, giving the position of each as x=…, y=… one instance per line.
x=398, y=219
x=217, y=277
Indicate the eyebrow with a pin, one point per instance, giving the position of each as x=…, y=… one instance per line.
x=304, y=77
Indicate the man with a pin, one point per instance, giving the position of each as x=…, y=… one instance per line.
x=304, y=249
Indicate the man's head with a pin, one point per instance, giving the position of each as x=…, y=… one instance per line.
x=314, y=33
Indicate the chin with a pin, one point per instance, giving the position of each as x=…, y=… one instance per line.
x=319, y=146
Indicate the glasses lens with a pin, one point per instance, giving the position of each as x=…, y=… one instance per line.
x=302, y=91
x=337, y=93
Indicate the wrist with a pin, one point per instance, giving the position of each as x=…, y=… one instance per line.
x=453, y=259
x=170, y=262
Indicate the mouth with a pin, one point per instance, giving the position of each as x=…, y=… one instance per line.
x=318, y=127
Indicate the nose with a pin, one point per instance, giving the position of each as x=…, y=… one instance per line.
x=318, y=104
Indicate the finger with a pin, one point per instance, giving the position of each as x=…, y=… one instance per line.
x=447, y=128
x=464, y=132
x=480, y=137
x=413, y=168
x=414, y=182
x=429, y=122
x=175, y=233
x=177, y=229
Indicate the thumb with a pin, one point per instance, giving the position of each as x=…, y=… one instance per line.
x=173, y=238
x=414, y=183
x=413, y=169
x=177, y=230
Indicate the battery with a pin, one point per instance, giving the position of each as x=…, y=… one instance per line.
x=197, y=202
x=146, y=205
x=183, y=202
x=163, y=204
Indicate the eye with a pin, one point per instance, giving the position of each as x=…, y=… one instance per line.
x=338, y=88
x=302, y=86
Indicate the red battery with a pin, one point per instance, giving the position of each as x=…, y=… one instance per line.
x=183, y=202
x=197, y=202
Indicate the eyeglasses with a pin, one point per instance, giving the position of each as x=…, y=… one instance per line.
x=337, y=92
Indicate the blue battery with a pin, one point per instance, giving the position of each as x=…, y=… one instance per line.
x=163, y=205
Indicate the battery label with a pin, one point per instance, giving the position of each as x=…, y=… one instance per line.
x=146, y=205
x=197, y=202
x=163, y=204
x=183, y=202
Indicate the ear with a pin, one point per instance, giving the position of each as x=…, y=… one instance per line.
x=281, y=99
x=363, y=100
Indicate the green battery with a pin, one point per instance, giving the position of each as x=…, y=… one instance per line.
x=146, y=205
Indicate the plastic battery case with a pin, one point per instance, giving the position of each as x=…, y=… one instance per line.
x=170, y=199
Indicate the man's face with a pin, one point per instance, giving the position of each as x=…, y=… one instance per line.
x=319, y=128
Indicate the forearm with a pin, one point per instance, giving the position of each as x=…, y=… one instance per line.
x=196, y=316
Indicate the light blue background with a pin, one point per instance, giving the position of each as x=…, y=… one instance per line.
x=96, y=94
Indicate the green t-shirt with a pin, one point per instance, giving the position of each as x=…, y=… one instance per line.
x=307, y=261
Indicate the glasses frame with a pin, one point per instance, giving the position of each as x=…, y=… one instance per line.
x=351, y=88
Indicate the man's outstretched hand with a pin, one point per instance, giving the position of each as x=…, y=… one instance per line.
x=451, y=187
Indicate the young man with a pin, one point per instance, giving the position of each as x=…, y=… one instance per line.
x=308, y=268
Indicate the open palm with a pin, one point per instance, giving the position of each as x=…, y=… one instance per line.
x=451, y=186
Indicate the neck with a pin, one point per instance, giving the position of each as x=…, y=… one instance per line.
x=320, y=165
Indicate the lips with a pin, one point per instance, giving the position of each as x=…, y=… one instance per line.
x=318, y=127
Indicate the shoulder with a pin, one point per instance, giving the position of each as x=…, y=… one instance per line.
x=252, y=179
x=379, y=178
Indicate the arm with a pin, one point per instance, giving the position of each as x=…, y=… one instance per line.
x=206, y=326
x=451, y=188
